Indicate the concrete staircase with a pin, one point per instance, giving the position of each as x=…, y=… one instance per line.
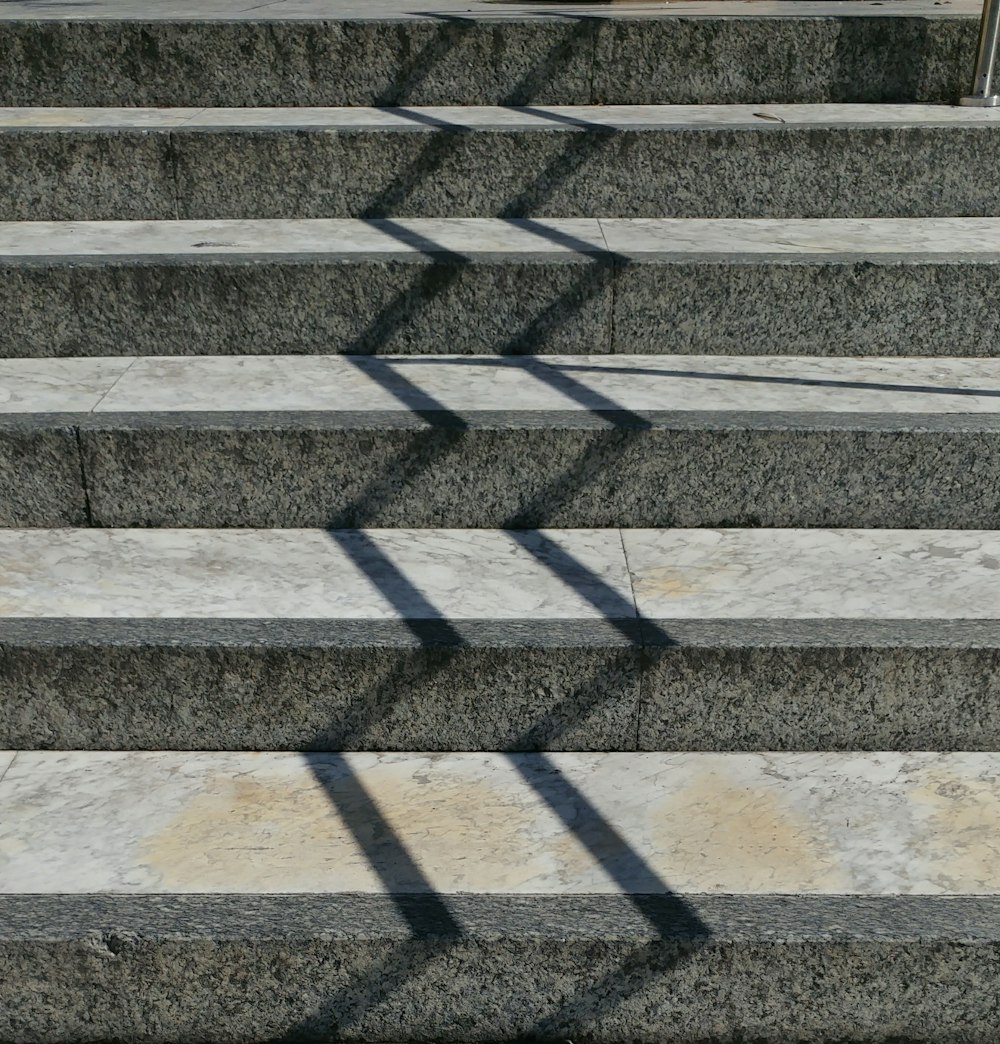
x=500, y=534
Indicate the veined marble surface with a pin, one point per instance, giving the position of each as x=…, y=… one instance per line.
x=815, y=574
x=902, y=239
x=53, y=118
x=468, y=383
x=204, y=239
x=6, y=759
x=198, y=10
x=478, y=117
x=57, y=385
x=503, y=384
x=312, y=574
x=842, y=824
x=490, y=574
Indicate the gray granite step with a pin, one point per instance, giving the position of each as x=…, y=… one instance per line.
x=419, y=897
x=489, y=441
x=444, y=640
x=906, y=287
x=396, y=53
x=571, y=161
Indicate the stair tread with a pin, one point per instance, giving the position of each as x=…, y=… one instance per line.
x=726, y=240
x=431, y=119
x=361, y=390
x=503, y=824
x=499, y=575
x=490, y=10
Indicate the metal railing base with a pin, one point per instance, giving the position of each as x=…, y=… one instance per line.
x=988, y=102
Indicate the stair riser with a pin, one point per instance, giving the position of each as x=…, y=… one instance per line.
x=546, y=969
x=508, y=696
x=736, y=474
x=731, y=691
x=574, y=306
x=505, y=62
x=772, y=171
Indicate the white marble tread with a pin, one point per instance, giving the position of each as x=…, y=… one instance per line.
x=291, y=574
x=403, y=10
x=297, y=236
x=698, y=823
x=803, y=574
x=461, y=575
x=725, y=240
x=476, y=117
x=504, y=384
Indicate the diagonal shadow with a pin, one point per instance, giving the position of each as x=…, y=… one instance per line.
x=433, y=926
x=669, y=915
x=556, y=367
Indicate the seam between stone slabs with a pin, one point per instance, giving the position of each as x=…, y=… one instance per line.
x=173, y=158
x=114, y=384
x=84, y=482
x=617, y=267
x=582, y=420
x=642, y=641
x=78, y=430
x=3, y=775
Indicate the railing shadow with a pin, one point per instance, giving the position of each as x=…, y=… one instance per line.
x=433, y=925
x=672, y=919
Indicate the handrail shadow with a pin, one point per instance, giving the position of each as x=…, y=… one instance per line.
x=668, y=914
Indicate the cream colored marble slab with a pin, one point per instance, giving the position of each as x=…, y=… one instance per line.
x=902, y=237
x=198, y=10
x=311, y=574
x=475, y=117
x=801, y=574
x=57, y=385
x=6, y=760
x=835, y=824
x=200, y=239
x=581, y=383
x=87, y=119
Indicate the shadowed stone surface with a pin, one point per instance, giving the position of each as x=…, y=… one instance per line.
x=358, y=307
x=52, y=176
x=895, y=59
x=841, y=697
x=41, y=481
x=546, y=470
x=772, y=170
x=461, y=968
x=836, y=308
x=754, y=305
x=464, y=60
x=327, y=686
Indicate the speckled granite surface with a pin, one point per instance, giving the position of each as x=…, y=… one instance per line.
x=760, y=160
x=781, y=639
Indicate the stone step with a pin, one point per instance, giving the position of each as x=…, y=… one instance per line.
x=630, y=161
x=845, y=287
x=500, y=640
x=258, y=897
x=500, y=442
x=341, y=52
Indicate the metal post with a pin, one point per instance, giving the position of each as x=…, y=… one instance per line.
x=989, y=35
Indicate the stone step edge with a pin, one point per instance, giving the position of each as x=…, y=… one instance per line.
x=343, y=391
x=415, y=968
x=883, y=824
x=461, y=240
x=495, y=119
